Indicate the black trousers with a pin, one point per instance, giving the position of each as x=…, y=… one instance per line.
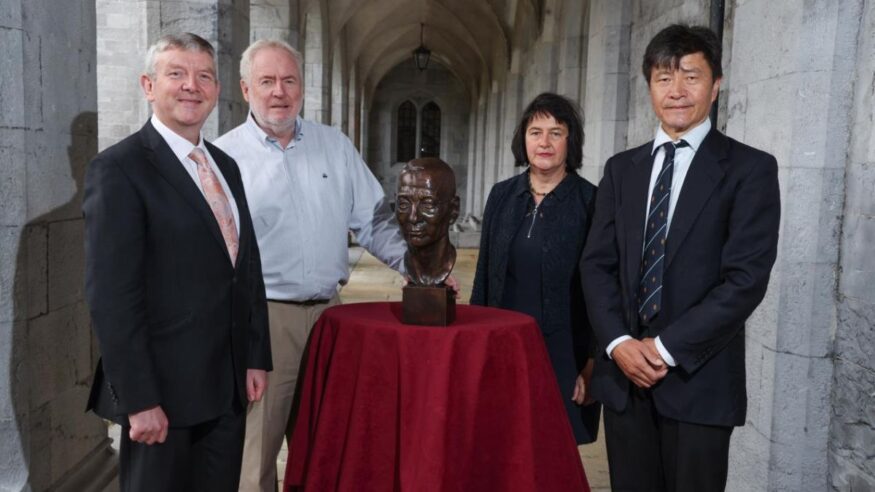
x=649, y=452
x=204, y=457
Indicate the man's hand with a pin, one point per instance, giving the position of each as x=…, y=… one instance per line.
x=256, y=382
x=639, y=362
x=581, y=396
x=149, y=426
x=650, y=343
x=452, y=283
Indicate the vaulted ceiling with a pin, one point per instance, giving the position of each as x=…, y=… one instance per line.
x=474, y=39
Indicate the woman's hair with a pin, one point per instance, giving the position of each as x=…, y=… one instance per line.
x=564, y=112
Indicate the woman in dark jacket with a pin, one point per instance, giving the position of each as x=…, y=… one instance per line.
x=534, y=229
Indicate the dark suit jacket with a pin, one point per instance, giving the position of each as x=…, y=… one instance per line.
x=176, y=323
x=720, y=250
x=564, y=323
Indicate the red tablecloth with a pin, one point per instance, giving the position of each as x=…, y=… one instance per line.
x=471, y=407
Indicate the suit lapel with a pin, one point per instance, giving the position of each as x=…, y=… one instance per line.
x=160, y=155
x=635, y=186
x=702, y=178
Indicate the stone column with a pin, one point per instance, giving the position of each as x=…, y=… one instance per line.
x=479, y=146
x=852, y=429
x=573, y=50
x=648, y=18
x=491, y=151
x=125, y=30
x=607, y=84
x=791, y=95
x=274, y=19
x=511, y=108
x=48, y=133
x=317, y=68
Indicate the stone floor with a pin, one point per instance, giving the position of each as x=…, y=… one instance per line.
x=370, y=280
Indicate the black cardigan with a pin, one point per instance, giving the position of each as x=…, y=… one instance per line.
x=568, y=337
x=567, y=211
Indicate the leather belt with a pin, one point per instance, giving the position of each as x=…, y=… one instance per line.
x=309, y=302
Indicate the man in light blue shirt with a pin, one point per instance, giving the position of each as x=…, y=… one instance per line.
x=307, y=187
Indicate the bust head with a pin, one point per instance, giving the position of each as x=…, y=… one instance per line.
x=425, y=205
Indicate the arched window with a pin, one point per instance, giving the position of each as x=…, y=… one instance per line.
x=430, y=140
x=406, y=133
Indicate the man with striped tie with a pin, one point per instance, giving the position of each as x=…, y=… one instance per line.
x=173, y=280
x=679, y=255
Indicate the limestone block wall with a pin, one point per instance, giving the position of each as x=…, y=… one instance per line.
x=647, y=19
x=48, y=132
x=852, y=428
x=317, y=65
x=274, y=19
x=125, y=30
x=790, y=94
x=406, y=82
x=606, y=99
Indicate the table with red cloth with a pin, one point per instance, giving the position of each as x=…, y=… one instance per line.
x=386, y=406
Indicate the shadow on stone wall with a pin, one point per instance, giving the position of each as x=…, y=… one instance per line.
x=52, y=347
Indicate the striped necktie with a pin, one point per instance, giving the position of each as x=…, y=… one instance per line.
x=653, y=254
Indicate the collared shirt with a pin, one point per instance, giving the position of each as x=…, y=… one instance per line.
x=683, y=157
x=304, y=199
x=181, y=148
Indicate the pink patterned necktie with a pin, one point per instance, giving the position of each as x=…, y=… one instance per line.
x=218, y=201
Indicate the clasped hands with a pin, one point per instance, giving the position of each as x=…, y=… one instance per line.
x=640, y=361
x=150, y=426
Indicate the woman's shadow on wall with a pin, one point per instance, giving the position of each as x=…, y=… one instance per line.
x=53, y=352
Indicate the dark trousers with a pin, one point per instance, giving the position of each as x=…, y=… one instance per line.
x=204, y=457
x=649, y=452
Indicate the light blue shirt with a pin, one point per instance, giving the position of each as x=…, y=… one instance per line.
x=304, y=199
x=683, y=157
x=181, y=148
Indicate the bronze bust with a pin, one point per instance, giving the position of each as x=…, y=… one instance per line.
x=425, y=205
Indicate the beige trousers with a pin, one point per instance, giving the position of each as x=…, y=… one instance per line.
x=269, y=420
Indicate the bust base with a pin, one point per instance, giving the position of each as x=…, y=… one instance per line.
x=430, y=306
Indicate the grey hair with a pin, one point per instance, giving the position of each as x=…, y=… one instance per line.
x=249, y=54
x=185, y=41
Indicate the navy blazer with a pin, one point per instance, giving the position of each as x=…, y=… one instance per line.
x=177, y=324
x=720, y=249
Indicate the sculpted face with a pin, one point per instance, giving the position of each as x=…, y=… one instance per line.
x=426, y=203
x=183, y=90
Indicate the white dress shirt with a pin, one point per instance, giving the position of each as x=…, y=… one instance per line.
x=683, y=157
x=181, y=148
x=304, y=199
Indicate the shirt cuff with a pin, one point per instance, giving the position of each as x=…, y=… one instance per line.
x=664, y=353
x=613, y=345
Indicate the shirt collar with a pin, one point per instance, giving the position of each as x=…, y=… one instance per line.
x=180, y=146
x=266, y=139
x=693, y=137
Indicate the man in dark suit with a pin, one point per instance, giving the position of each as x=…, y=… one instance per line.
x=682, y=243
x=174, y=284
